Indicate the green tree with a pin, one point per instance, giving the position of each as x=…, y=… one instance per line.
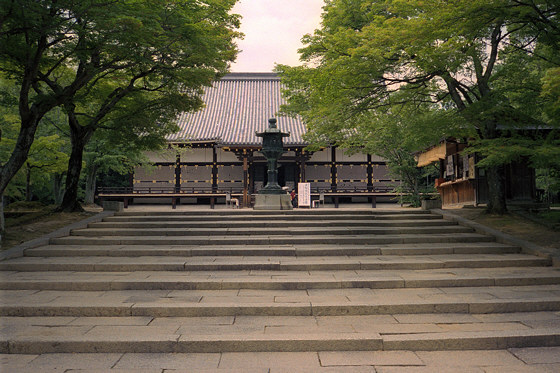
x=45, y=158
x=443, y=60
x=118, y=151
x=88, y=56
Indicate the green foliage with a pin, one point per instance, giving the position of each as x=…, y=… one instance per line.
x=551, y=95
x=47, y=156
x=540, y=152
x=551, y=217
x=548, y=180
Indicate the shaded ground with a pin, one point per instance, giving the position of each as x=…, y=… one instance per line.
x=26, y=223
x=513, y=224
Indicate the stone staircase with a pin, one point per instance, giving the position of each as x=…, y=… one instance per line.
x=311, y=280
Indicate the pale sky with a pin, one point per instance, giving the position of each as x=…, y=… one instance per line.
x=273, y=30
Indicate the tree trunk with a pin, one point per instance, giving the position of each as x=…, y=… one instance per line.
x=90, y=184
x=79, y=137
x=496, y=190
x=21, y=150
x=495, y=176
x=70, y=200
x=2, y=219
x=57, y=188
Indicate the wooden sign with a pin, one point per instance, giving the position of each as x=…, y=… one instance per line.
x=304, y=195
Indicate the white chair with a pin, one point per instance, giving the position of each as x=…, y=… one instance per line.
x=319, y=201
x=232, y=202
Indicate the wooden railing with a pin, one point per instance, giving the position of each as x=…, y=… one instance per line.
x=167, y=189
x=127, y=193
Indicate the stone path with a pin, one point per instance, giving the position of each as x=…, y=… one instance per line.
x=315, y=290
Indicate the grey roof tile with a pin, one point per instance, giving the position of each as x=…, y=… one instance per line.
x=236, y=106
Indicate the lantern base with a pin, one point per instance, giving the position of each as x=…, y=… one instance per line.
x=273, y=202
x=272, y=188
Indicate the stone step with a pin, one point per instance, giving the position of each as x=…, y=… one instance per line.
x=298, y=212
x=232, y=263
x=175, y=281
x=267, y=250
x=255, y=218
x=321, y=302
x=483, y=340
x=526, y=360
x=270, y=231
x=272, y=223
x=103, y=339
x=278, y=279
x=273, y=240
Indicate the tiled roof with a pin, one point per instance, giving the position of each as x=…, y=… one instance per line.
x=236, y=106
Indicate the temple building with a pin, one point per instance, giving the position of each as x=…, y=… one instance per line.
x=216, y=149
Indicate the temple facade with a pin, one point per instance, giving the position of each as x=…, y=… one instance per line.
x=216, y=149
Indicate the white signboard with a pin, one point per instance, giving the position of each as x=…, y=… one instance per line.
x=304, y=195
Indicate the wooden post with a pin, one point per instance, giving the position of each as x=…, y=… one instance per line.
x=369, y=174
x=177, y=179
x=333, y=171
x=245, y=180
x=370, y=179
x=177, y=173
x=301, y=158
x=214, y=170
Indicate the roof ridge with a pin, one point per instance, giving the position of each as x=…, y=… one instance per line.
x=251, y=76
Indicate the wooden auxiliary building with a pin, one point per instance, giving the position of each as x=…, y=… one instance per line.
x=461, y=182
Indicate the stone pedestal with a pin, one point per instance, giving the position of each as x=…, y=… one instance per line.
x=428, y=204
x=273, y=202
x=113, y=206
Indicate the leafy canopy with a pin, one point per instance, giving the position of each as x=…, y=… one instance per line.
x=407, y=73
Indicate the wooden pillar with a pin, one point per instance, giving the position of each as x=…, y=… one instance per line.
x=369, y=174
x=298, y=169
x=177, y=179
x=304, y=158
x=301, y=158
x=245, y=180
x=333, y=169
x=177, y=173
x=251, y=176
x=246, y=156
x=214, y=170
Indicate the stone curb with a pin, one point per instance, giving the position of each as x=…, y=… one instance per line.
x=501, y=237
x=18, y=251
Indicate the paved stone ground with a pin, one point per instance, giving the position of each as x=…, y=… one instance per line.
x=539, y=359
x=342, y=291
